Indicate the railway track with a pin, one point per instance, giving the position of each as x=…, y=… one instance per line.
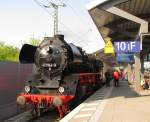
x=23, y=117
x=50, y=116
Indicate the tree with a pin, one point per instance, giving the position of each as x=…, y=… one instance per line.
x=11, y=53
x=33, y=41
x=8, y=52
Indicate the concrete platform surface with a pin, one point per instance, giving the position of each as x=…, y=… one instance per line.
x=118, y=104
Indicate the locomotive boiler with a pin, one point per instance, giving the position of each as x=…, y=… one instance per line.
x=64, y=75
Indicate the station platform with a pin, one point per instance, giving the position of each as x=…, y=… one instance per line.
x=113, y=104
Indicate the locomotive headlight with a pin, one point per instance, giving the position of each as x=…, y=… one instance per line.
x=61, y=89
x=27, y=89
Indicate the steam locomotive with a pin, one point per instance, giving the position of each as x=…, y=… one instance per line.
x=64, y=75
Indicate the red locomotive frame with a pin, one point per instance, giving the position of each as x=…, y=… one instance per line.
x=86, y=79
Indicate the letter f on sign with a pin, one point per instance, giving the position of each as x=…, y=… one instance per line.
x=132, y=44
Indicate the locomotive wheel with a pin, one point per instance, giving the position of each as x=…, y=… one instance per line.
x=33, y=112
x=36, y=111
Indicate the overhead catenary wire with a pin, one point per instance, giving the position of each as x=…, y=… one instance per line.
x=80, y=40
x=82, y=21
x=42, y=6
x=55, y=7
x=77, y=15
x=79, y=18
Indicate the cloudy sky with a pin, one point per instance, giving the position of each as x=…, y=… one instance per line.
x=24, y=19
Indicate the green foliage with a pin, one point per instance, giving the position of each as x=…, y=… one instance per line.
x=33, y=41
x=11, y=53
x=8, y=52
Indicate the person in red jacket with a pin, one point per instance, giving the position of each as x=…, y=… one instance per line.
x=116, y=78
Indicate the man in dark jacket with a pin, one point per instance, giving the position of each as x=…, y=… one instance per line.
x=107, y=77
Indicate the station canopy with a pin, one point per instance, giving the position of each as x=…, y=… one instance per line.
x=116, y=27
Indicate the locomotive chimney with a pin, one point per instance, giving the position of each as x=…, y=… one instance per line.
x=60, y=36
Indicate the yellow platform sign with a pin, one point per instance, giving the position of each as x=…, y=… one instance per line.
x=109, y=48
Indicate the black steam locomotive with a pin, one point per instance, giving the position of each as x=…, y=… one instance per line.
x=64, y=74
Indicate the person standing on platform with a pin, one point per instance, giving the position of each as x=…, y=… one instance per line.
x=116, y=78
x=144, y=82
x=107, y=77
x=123, y=74
x=126, y=76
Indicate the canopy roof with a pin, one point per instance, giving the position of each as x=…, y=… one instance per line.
x=116, y=27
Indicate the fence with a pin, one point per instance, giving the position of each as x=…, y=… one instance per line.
x=12, y=80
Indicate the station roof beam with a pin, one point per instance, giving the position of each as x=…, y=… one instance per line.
x=129, y=16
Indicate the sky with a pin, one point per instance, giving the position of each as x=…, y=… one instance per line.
x=21, y=20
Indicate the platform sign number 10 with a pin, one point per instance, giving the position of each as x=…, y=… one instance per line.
x=121, y=46
x=133, y=46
